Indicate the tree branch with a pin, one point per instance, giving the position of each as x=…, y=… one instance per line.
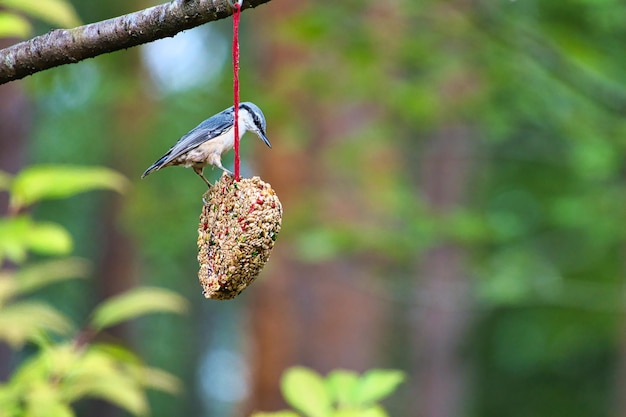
x=66, y=46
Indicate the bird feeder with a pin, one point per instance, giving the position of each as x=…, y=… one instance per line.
x=239, y=224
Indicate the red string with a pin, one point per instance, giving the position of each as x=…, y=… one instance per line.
x=236, y=15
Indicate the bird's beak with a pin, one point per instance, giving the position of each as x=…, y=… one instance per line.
x=264, y=138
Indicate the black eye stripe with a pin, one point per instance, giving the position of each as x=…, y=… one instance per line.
x=257, y=121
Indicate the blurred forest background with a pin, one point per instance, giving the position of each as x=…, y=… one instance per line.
x=453, y=178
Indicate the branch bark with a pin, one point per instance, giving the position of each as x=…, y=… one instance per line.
x=66, y=46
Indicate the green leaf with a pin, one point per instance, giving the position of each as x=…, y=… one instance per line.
x=42, y=182
x=136, y=303
x=160, y=380
x=377, y=384
x=305, y=391
x=342, y=386
x=116, y=352
x=35, y=276
x=13, y=238
x=282, y=413
x=10, y=403
x=32, y=369
x=95, y=373
x=56, y=12
x=43, y=400
x=134, y=368
x=13, y=26
x=122, y=391
x=23, y=321
x=20, y=234
x=49, y=239
x=102, y=378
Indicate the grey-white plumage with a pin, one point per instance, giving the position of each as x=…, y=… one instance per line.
x=206, y=143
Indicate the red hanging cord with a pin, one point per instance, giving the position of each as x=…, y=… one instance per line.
x=236, y=15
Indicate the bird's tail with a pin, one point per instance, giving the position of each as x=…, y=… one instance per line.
x=155, y=167
x=149, y=170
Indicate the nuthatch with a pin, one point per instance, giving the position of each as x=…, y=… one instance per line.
x=206, y=143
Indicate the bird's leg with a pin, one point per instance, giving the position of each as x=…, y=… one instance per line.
x=216, y=160
x=228, y=172
x=199, y=172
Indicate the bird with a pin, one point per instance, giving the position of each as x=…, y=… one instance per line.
x=205, y=144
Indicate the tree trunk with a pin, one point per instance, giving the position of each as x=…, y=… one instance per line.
x=442, y=296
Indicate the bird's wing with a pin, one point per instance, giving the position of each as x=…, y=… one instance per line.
x=205, y=131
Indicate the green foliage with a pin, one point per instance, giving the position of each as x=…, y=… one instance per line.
x=56, y=12
x=341, y=394
x=25, y=321
x=19, y=233
x=66, y=366
x=134, y=303
x=34, y=276
x=63, y=373
x=14, y=25
x=44, y=182
x=305, y=390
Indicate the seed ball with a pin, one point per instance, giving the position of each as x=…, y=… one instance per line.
x=239, y=224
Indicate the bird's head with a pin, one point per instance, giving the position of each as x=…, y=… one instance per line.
x=253, y=118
